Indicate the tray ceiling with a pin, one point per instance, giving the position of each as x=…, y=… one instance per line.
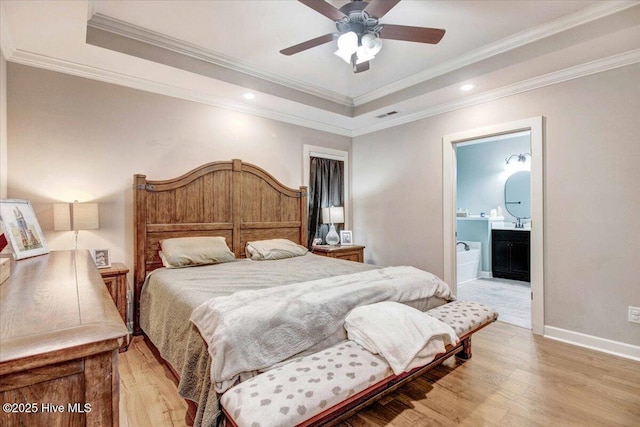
x=215, y=51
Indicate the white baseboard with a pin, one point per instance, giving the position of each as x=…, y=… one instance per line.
x=604, y=345
x=485, y=275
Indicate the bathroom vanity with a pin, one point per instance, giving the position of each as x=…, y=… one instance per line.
x=511, y=242
x=510, y=254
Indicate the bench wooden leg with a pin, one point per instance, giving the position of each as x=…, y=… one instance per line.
x=465, y=353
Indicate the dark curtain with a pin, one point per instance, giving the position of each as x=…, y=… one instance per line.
x=326, y=189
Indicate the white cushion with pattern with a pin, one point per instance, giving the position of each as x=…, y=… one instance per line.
x=306, y=386
x=464, y=316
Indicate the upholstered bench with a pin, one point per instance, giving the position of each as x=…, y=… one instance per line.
x=320, y=388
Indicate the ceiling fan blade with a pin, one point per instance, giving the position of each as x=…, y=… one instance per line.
x=308, y=44
x=379, y=8
x=363, y=66
x=324, y=8
x=412, y=34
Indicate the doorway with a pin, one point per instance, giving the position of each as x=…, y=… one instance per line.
x=535, y=127
x=492, y=224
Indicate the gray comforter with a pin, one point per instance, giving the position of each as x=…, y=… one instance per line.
x=253, y=330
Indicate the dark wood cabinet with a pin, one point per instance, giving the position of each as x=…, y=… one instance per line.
x=511, y=254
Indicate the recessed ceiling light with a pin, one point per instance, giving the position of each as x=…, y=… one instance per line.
x=249, y=95
x=466, y=87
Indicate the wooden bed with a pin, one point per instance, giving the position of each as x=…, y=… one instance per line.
x=238, y=201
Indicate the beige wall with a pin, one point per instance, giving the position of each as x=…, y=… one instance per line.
x=73, y=138
x=592, y=195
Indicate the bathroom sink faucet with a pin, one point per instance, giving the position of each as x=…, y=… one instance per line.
x=518, y=223
x=466, y=247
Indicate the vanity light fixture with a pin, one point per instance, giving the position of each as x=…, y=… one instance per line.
x=518, y=162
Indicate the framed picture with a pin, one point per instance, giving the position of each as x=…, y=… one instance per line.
x=21, y=229
x=101, y=257
x=346, y=237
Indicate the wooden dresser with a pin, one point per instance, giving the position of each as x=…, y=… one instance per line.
x=59, y=337
x=351, y=253
x=115, y=279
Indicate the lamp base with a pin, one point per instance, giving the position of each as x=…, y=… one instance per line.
x=332, y=237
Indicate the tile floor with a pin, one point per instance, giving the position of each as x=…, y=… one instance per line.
x=511, y=298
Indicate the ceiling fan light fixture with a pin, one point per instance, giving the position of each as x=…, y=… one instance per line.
x=372, y=43
x=363, y=55
x=348, y=43
x=346, y=57
x=360, y=31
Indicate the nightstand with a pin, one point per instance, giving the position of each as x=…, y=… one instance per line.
x=351, y=253
x=115, y=278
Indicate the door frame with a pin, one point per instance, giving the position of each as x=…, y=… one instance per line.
x=536, y=126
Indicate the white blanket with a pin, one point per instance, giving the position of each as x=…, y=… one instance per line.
x=405, y=337
x=252, y=330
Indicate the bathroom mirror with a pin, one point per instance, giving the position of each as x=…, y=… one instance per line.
x=517, y=194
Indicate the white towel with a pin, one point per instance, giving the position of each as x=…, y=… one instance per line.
x=405, y=337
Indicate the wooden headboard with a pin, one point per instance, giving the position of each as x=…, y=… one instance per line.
x=238, y=201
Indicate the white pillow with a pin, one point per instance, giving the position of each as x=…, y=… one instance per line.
x=405, y=337
x=191, y=251
x=261, y=250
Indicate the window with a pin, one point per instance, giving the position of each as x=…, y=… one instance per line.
x=326, y=176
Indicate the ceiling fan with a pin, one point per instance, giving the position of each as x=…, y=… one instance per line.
x=360, y=31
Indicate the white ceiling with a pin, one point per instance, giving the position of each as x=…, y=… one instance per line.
x=214, y=51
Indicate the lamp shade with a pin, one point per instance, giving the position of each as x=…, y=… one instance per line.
x=61, y=217
x=333, y=215
x=85, y=216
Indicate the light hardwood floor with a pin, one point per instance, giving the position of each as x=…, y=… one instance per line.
x=513, y=379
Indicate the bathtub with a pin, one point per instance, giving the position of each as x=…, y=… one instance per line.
x=468, y=262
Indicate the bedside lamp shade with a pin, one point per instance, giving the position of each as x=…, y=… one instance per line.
x=61, y=217
x=85, y=216
x=75, y=216
x=333, y=215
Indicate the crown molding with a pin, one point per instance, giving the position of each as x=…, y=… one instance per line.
x=575, y=72
x=53, y=64
x=124, y=29
x=592, y=13
x=93, y=73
